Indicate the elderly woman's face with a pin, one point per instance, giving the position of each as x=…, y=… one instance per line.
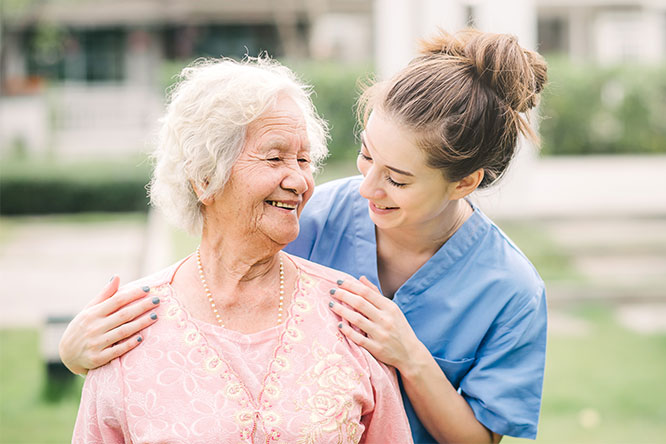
x=272, y=180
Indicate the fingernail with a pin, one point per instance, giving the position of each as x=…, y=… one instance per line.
x=112, y=278
x=332, y=291
x=146, y=289
x=340, y=325
x=156, y=300
x=153, y=316
x=331, y=304
x=139, y=339
x=340, y=282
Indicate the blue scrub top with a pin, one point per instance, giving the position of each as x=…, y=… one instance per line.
x=478, y=305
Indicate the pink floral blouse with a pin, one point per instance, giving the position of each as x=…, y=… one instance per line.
x=193, y=382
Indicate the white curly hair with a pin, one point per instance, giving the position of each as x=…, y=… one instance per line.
x=203, y=130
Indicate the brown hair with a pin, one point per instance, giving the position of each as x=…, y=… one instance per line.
x=464, y=97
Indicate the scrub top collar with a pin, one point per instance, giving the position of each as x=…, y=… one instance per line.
x=448, y=254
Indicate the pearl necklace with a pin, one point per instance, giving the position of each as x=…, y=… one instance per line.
x=210, y=295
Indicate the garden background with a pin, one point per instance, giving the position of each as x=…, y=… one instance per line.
x=593, y=223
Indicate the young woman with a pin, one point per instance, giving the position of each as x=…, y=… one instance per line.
x=461, y=313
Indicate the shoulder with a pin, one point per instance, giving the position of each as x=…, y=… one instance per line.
x=512, y=269
x=345, y=185
x=157, y=278
x=320, y=272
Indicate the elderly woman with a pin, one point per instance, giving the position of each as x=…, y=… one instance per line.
x=247, y=349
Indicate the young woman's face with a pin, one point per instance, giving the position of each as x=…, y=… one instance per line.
x=402, y=191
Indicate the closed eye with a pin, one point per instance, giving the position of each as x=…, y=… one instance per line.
x=394, y=183
x=363, y=156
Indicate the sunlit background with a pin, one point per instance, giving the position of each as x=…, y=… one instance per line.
x=82, y=83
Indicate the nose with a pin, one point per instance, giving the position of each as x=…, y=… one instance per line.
x=296, y=180
x=371, y=186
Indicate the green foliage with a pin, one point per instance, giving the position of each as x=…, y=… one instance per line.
x=29, y=187
x=336, y=87
x=592, y=109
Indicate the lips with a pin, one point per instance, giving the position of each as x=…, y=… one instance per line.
x=379, y=209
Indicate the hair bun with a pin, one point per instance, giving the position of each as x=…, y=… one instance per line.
x=517, y=75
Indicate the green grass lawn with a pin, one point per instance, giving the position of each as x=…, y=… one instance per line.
x=604, y=387
x=26, y=416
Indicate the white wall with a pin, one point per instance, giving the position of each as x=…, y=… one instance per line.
x=399, y=23
x=621, y=36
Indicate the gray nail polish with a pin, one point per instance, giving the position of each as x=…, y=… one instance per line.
x=340, y=282
x=112, y=278
x=156, y=300
x=139, y=339
x=146, y=289
x=153, y=316
x=340, y=325
x=331, y=304
x=332, y=291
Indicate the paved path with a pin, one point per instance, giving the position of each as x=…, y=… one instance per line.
x=49, y=269
x=573, y=187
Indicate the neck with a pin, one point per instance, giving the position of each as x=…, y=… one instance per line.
x=228, y=262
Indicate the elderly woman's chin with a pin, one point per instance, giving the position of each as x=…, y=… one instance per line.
x=281, y=230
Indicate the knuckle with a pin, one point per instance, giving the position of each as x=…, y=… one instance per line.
x=126, y=315
x=362, y=340
x=123, y=331
x=356, y=318
x=386, y=321
x=383, y=336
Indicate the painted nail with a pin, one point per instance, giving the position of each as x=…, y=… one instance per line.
x=340, y=325
x=156, y=300
x=331, y=304
x=139, y=339
x=146, y=289
x=340, y=282
x=112, y=278
x=153, y=316
x=332, y=291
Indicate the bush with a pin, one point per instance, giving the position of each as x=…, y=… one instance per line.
x=48, y=188
x=336, y=89
x=592, y=109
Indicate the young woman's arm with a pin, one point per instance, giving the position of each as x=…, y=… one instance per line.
x=105, y=328
x=443, y=411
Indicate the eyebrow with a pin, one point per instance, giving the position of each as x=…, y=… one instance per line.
x=397, y=170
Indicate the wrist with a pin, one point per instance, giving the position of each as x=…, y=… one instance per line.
x=416, y=361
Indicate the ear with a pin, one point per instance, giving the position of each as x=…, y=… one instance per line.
x=467, y=184
x=199, y=192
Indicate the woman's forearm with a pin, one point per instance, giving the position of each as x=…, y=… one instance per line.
x=442, y=410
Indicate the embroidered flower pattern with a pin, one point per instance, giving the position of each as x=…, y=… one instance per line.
x=330, y=407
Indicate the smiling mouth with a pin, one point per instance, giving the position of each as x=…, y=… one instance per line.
x=286, y=206
x=383, y=208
